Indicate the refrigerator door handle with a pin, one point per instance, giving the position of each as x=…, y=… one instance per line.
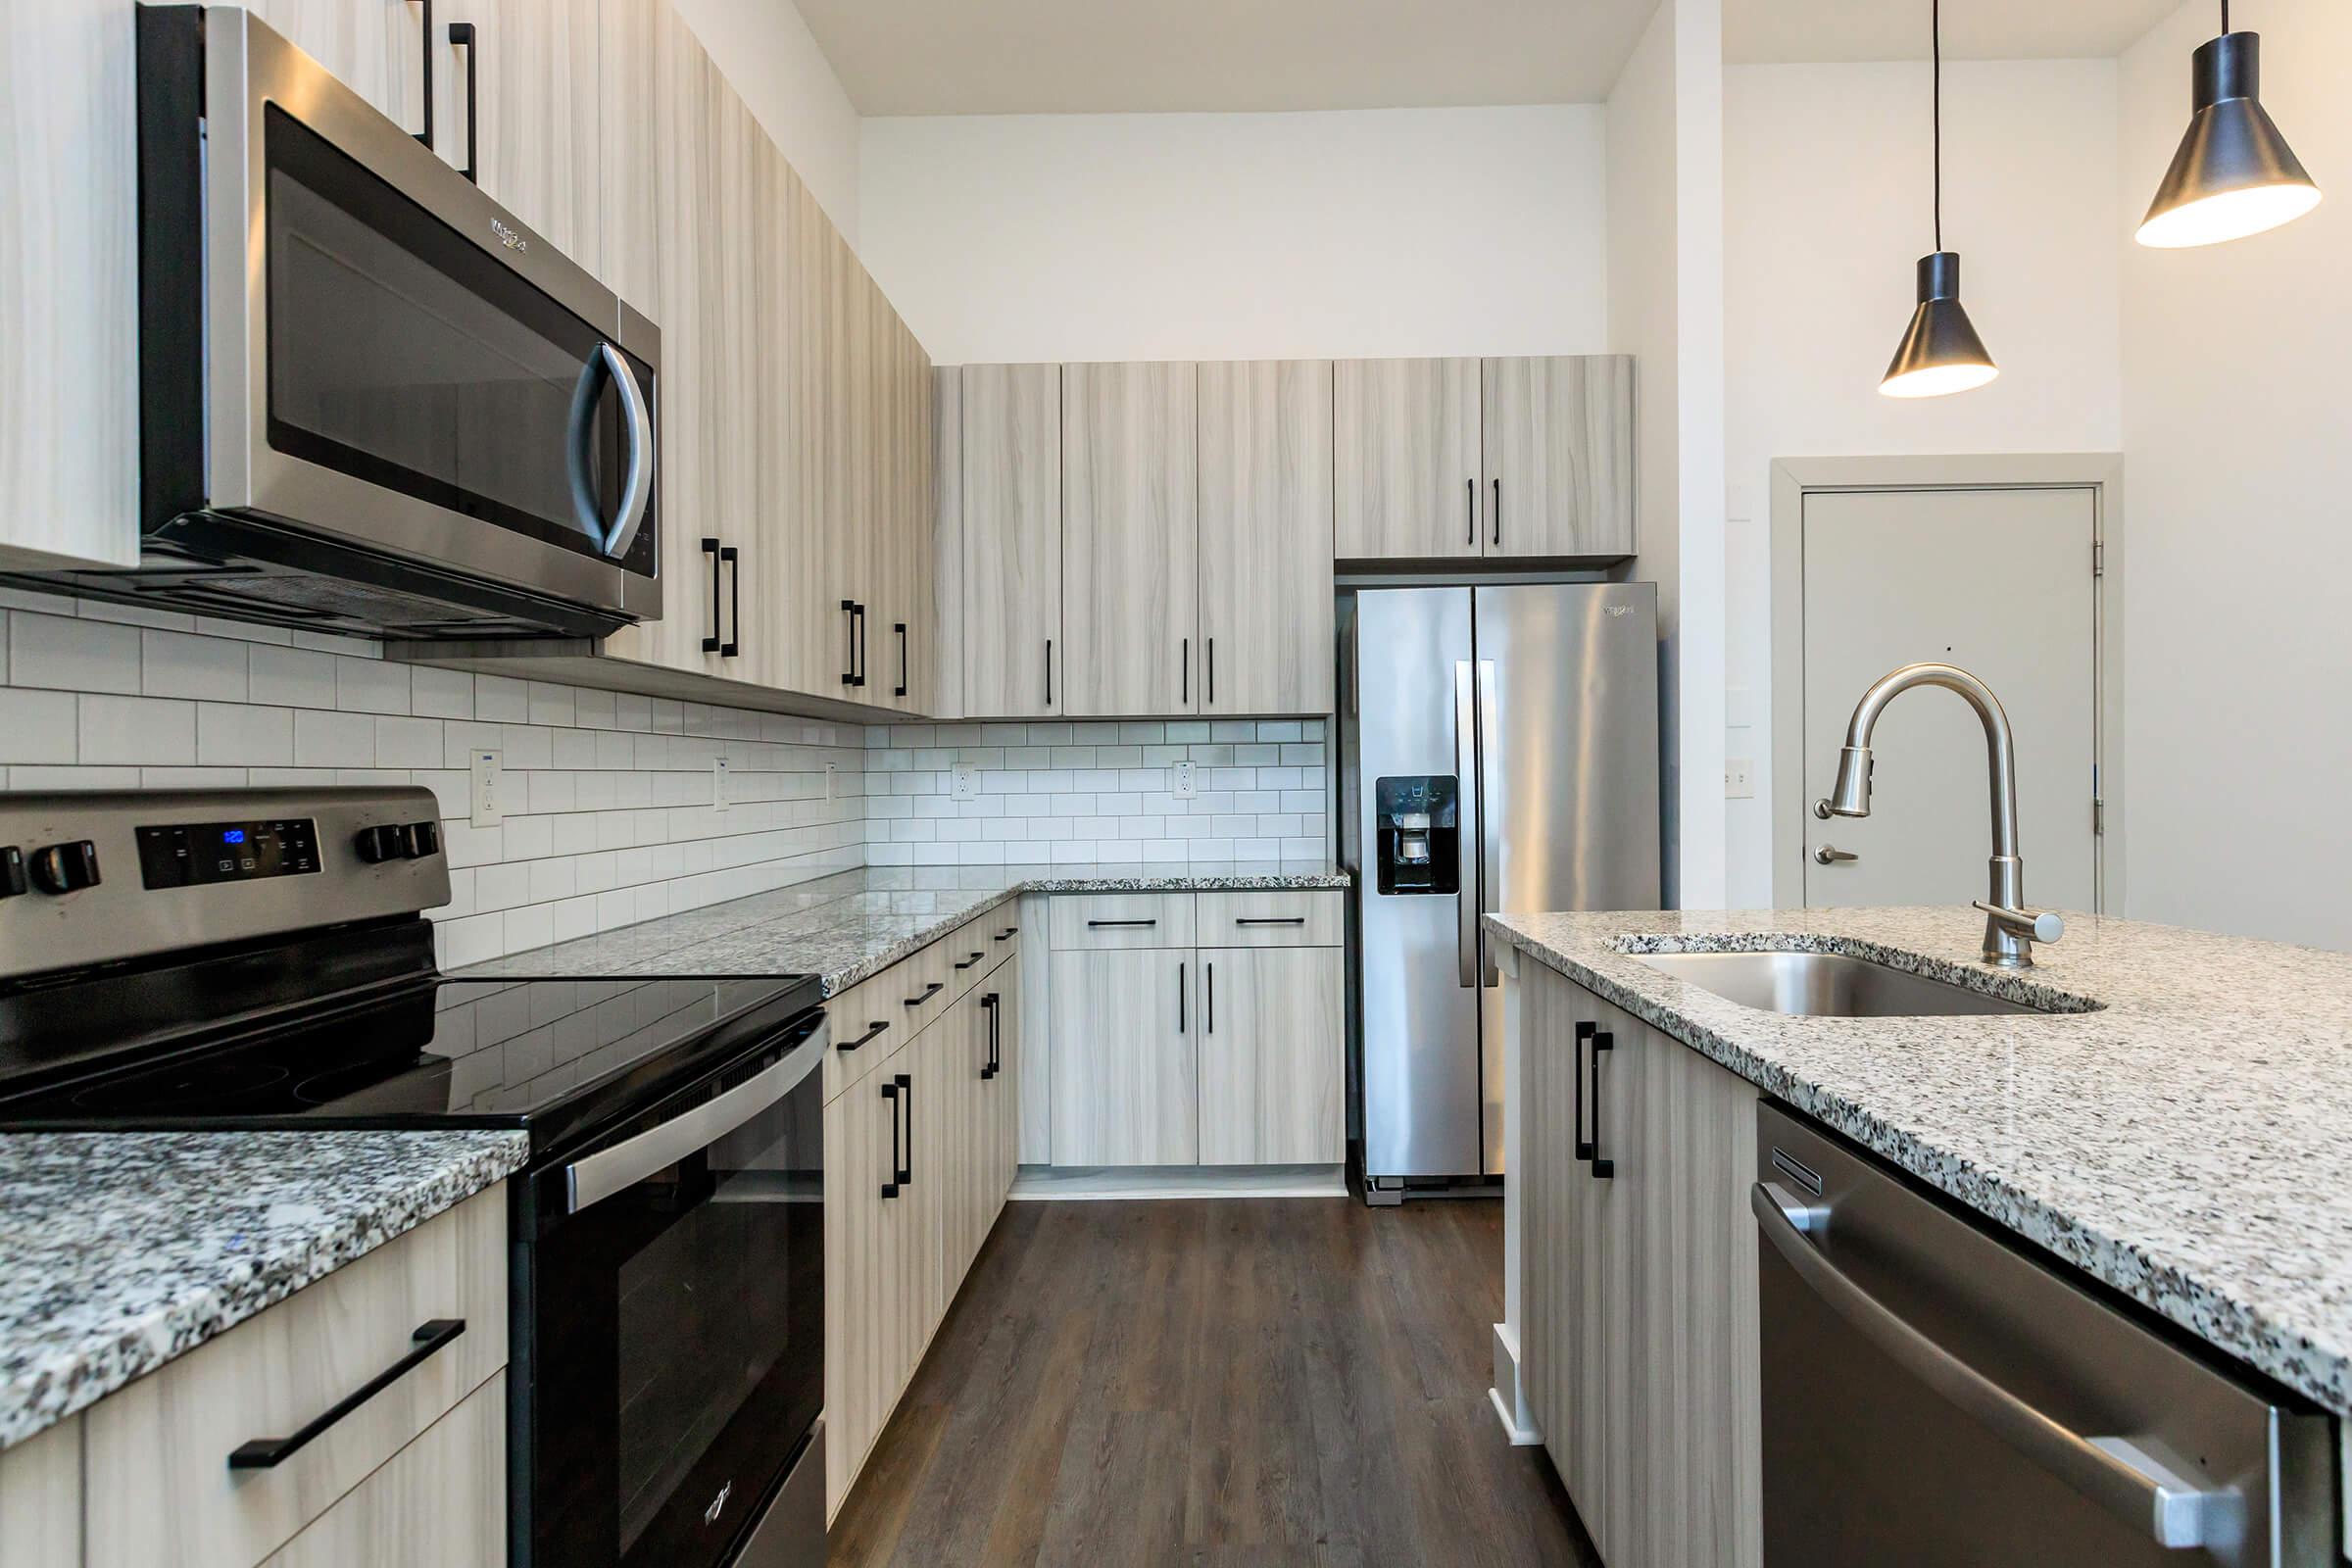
x=1465, y=763
x=1489, y=820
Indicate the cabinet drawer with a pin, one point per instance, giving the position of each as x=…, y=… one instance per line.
x=917, y=989
x=968, y=953
x=1111, y=922
x=866, y=1023
x=1002, y=927
x=1282, y=918
x=159, y=1450
x=442, y=1499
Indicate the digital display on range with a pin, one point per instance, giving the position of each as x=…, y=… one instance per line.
x=193, y=854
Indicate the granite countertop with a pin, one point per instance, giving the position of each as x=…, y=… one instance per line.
x=846, y=927
x=120, y=1251
x=2188, y=1142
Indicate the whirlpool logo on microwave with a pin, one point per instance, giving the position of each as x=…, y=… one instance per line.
x=508, y=237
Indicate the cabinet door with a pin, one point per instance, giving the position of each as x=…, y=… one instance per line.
x=849, y=500
x=442, y=1499
x=1272, y=1056
x=68, y=284
x=1559, y=456
x=786, y=539
x=1547, y=1183
x=869, y=1234
x=1013, y=648
x=961, y=1039
x=1005, y=1089
x=1406, y=459
x=373, y=47
x=1131, y=537
x=947, y=542
x=901, y=466
x=630, y=153
x=535, y=70
x=1266, y=538
x=1125, y=1071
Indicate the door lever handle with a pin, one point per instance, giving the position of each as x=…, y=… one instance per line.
x=1831, y=855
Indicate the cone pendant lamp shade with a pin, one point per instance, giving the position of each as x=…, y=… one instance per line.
x=1940, y=351
x=2234, y=174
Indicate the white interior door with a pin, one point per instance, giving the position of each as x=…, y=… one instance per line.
x=1999, y=583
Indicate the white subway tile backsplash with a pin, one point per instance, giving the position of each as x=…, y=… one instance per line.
x=68, y=654
x=174, y=664
x=291, y=677
x=244, y=735
x=136, y=729
x=36, y=727
x=440, y=692
x=370, y=686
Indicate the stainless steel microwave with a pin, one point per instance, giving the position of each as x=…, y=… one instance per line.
x=372, y=399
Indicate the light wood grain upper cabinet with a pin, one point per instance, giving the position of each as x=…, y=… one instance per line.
x=1265, y=538
x=373, y=47
x=1013, y=646
x=69, y=286
x=947, y=542
x=785, y=539
x=801, y=580
x=537, y=92
x=903, y=638
x=851, y=406
x=1405, y=460
x=1559, y=456
x=1130, y=537
x=629, y=160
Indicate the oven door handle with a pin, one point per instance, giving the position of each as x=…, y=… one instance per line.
x=2121, y=1475
x=590, y=1181
x=637, y=488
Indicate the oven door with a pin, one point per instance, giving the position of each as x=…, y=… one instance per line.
x=675, y=1299
x=397, y=362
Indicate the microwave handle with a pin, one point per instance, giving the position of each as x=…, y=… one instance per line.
x=590, y=1181
x=637, y=489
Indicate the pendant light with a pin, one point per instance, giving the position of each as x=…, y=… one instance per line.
x=1940, y=351
x=2234, y=174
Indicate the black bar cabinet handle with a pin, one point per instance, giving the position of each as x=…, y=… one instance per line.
x=1184, y=686
x=710, y=548
x=1048, y=672
x=996, y=1034
x=732, y=558
x=1602, y=1166
x=879, y=1026
x=849, y=621
x=1576, y=1074
x=906, y=1102
x=1180, y=999
x=969, y=962
x=1211, y=1027
x=1470, y=510
x=861, y=659
x=424, y=39
x=988, y=1005
x=462, y=37
x=900, y=629
x=1498, y=519
x=1212, y=669
x=928, y=992
x=1270, y=919
x=890, y=1092
x=1096, y=924
x=266, y=1453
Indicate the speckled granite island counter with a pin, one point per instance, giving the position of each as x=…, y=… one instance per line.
x=120, y=1251
x=2188, y=1142
x=857, y=923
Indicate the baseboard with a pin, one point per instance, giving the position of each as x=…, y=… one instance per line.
x=1518, y=1422
x=1052, y=1184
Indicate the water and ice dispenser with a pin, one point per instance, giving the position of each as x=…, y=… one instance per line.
x=1418, y=830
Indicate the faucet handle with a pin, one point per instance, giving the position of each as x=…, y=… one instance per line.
x=2037, y=925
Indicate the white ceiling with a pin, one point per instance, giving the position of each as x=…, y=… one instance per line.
x=1009, y=57
x=1760, y=30
x=1001, y=57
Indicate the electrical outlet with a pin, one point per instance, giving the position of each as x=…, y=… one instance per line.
x=830, y=792
x=1738, y=778
x=1183, y=781
x=718, y=784
x=489, y=788
x=966, y=781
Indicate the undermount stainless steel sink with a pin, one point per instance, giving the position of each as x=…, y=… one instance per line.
x=1824, y=985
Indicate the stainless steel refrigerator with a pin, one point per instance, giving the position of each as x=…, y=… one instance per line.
x=1498, y=752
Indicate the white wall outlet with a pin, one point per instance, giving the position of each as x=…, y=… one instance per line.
x=1738, y=778
x=830, y=792
x=1184, y=781
x=489, y=788
x=718, y=784
x=964, y=780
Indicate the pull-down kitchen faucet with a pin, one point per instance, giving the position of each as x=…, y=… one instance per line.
x=2010, y=928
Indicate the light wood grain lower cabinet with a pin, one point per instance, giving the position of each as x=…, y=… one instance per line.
x=1266, y=538
x=1272, y=1056
x=870, y=1238
x=1125, y=1058
x=1405, y=460
x=1014, y=652
x=961, y=1053
x=440, y=1501
x=69, y=285
x=1559, y=456
x=40, y=1499
x=1130, y=537
x=1004, y=1090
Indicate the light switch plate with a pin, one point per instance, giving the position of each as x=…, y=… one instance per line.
x=830, y=792
x=1183, y=781
x=1738, y=778
x=718, y=784
x=966, y=781
x=489, y=788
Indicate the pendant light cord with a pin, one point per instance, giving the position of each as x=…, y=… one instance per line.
x=1935, y=55
x=2225, y=16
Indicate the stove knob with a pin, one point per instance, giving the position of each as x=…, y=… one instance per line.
x=66, y=867
x=379, y=844
x=421, y=841
x=12, y=870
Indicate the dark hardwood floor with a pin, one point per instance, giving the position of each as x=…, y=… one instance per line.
x=1256, y=1383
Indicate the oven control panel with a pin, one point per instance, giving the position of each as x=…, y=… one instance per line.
x=183, y=855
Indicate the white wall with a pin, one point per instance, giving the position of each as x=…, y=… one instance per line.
x=770, y=56
x=1826, y=208
x=1240, y=237
x=2238, y=660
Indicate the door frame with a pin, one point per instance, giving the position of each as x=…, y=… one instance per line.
x=1793, y=478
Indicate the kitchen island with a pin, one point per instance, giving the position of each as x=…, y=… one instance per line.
x=2167, y=1119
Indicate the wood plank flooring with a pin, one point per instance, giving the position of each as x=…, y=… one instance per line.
x=1233, y=1385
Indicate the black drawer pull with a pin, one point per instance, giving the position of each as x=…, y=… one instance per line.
x=1008, y=933
x=928, y=992
x=266, y=1453
x=969, y=962
x=880, y=1025
x=1272, y=919
x=1093, y=925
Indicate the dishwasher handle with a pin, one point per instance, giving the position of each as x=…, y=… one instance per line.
x=2136, y=1486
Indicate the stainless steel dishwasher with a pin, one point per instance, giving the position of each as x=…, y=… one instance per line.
x=1935, y=1396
